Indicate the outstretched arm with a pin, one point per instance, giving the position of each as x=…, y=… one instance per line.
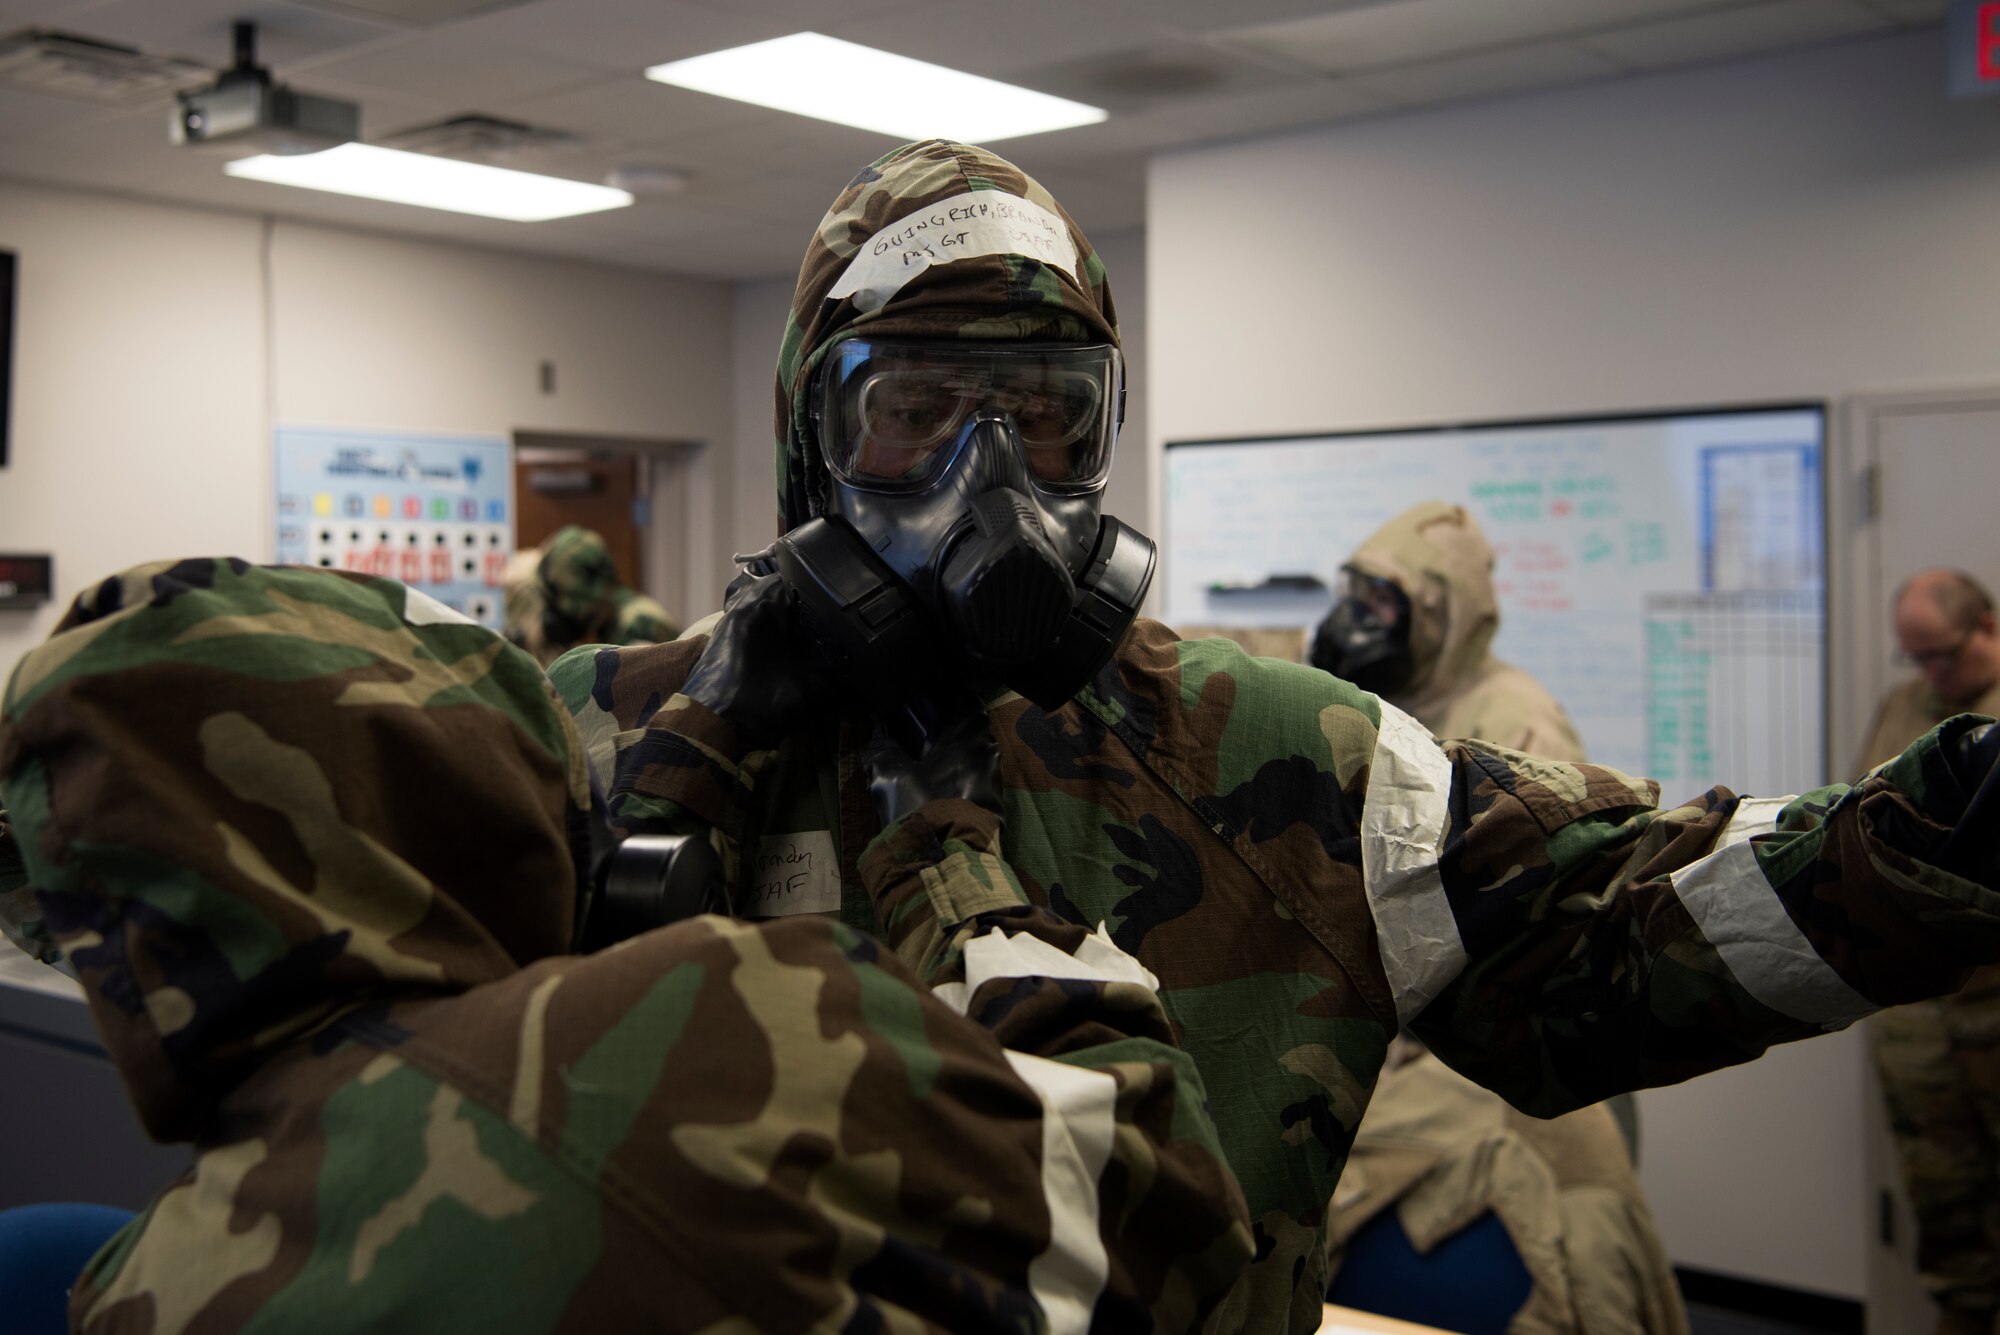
x=1552, y=934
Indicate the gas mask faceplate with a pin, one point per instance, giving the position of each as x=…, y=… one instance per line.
x=1365, y=639
x=968, y=480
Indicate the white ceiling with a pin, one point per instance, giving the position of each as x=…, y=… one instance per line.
x=1172, y=72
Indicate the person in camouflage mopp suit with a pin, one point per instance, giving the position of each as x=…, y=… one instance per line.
x=312, y=841
x=582, y=600
x=1301, y=865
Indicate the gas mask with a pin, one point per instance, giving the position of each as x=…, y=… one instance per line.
x=964, y=490
x=1365, y=639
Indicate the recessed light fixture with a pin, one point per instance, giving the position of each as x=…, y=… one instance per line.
x=831, y=80
x=432, y=182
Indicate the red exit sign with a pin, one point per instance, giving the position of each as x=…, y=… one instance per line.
x=1972, y=32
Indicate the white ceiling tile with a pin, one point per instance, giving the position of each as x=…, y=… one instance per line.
x=787, y=146
x=1317, y=102
x=626, y=35
x=40, y=13
x=1209, y=16
x=981, y=38
x=1164, y=73
x=1734, y=32
x=440, y=67
x=1412, y=31
x=201, y=29
x=1488, y=74
x=1910, y=12
x=638, y=110
x=25, y=114
x=807, y=15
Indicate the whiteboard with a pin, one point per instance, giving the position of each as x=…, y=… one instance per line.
x=1663, y=575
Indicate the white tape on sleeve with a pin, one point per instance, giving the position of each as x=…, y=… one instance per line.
x=997, y=955
x=1744, y=920
x=1403, y=816
x=1078, y=1118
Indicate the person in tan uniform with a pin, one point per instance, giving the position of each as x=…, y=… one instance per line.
x=1940, y=1060
x=1413, y=621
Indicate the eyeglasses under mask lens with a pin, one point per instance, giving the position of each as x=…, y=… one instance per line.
x=893, y=414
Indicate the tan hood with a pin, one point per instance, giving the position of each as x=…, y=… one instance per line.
x=1437, y=556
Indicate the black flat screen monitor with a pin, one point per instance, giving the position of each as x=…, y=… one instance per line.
x=7, y=270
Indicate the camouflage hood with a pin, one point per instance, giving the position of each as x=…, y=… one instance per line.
x=936, y=240
x=1437, y=556
x=217, y=892
x=579, y=579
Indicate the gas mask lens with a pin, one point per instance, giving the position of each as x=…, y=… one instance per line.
x=892, y=416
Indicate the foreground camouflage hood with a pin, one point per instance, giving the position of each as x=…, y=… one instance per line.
x=936, y=240
x=218, y=893
x=1437, y=556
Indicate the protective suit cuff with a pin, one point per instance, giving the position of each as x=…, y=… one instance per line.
x=933, y=870
x=691, y=756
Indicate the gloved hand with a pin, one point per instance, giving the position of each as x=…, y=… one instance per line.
x=955, y=756
x=1973, y=848
x=758, y=673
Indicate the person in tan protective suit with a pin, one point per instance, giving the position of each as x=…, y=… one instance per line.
x=1940, y=1060
x=1413, y=621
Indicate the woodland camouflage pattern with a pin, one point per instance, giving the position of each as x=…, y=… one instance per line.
x=1242, y=825
x=579, y=583
x=312, y=842
x=1437, y=556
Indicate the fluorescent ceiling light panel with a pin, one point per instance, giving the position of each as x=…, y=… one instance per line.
x=832, y=80
x=432, y=182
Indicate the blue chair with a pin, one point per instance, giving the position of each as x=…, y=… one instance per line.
x=1473, y=1281
x=43, y=1248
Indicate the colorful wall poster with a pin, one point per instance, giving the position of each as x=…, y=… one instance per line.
x=434, y=511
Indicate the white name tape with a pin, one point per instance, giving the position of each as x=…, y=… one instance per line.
x=978, y=222
x=793, y=873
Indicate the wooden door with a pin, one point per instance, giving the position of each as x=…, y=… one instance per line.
x=598, y=491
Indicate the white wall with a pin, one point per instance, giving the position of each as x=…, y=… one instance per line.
x=760, y=312
x=157, y=345
x=138, y=395
x=1801, y=227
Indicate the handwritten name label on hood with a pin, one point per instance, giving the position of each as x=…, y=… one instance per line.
x=978, y=222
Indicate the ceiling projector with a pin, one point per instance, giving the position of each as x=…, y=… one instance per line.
x=244, y=111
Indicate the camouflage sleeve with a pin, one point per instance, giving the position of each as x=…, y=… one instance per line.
x=1553, y=935
x=665, y=764
x=956, y=915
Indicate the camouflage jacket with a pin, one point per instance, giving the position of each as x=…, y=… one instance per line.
x=1302, y=867
x=1305, y=869
x=312, y=842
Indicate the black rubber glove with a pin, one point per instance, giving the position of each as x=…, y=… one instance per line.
x=1973, y=848
x=955, y=756
x=759, y=673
